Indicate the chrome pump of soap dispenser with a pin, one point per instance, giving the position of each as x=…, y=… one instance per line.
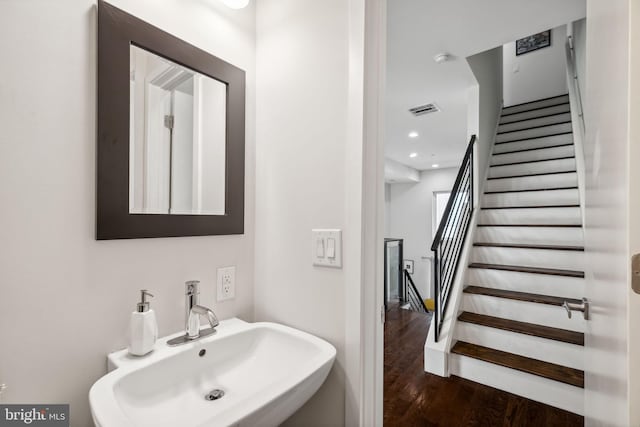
x=193, y=311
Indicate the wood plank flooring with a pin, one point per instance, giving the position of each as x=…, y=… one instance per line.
x=415, y=398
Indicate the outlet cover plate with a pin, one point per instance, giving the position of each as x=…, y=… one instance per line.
x=226, y=288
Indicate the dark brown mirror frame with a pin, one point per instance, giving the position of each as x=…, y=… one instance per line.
x=117, y=30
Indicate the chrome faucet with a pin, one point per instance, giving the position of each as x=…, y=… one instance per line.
x=193, y=311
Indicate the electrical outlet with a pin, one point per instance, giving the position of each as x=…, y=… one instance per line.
x=226, y=283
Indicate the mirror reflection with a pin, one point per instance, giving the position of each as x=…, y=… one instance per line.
x=177, y=131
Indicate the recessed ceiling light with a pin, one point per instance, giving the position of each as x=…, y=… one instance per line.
x=442, y=57
x=412, y=155
x=413, y=134
x=435, y=165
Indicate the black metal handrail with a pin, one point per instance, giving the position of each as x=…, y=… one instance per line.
x=413, y=296
x=451, y=235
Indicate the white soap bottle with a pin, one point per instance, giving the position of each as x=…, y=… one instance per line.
x=143, y=329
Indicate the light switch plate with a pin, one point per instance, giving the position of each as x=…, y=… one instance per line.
x=226, y=283
x=330, y=240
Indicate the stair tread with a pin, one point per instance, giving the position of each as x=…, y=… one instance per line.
x=531, y=174
x=524, y=269
x=534, y=149
x=534, y=127
x=533, y=137
x=533, y=109
x=529, y=207
x=547, y=332
x=532, y=225
x=531, y=189
x=547, y=370
x=535, y=118
x=519, y=296
x=529, y=246
x=533, y=161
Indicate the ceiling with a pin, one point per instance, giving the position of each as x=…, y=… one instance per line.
x=420, y=29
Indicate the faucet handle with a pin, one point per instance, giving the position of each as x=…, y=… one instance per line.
x=191, y=287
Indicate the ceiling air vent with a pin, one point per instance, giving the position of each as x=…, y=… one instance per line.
x=424, y=109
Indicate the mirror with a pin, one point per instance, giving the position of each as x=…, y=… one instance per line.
x=177, y=138
x=170, y=137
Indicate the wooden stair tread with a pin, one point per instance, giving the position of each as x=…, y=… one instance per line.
x=531, y=190
x=524, y=162
x=534, y=137
x=532, y=109
x=523, y=269
x=534, y=149
x=562, y=95
x=534, y=118
x=531, y=174
x=534, y=127
x=547, y=370
x=532, y=225
x=519, y=296
x=556, y=334
x=528, y=246
x=530, y=207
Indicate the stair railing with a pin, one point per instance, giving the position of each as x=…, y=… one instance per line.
x=451, y=235
x=413, y=296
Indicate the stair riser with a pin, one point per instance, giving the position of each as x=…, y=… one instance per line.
x=535, y=113
x=533, y=387
x=531, y=235
x=534, y=133
x=565, y=260
x=533, y=182
x=548, y=141
x=523, y=124
x=523, y=311
x=527, y=156
x=532, y=198
x=550, y=166
x=567, y=287
x=547, y=350
x=535, y=104
x=531, y=216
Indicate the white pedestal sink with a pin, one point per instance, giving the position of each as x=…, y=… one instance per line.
x=265, y=370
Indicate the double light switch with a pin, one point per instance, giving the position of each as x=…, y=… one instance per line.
x=327, y=247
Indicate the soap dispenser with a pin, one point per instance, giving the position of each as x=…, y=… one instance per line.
x=143, y=330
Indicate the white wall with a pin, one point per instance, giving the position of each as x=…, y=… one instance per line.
x=538, y=74
x=65, y=298
x=487, y=69
x=411, y=216
x=303, y=71
x=606, y=218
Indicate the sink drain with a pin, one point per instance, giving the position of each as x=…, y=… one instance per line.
x=214, y=394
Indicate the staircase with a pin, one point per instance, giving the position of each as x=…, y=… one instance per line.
x=527, y=260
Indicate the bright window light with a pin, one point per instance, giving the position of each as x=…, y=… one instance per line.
x=235, y=4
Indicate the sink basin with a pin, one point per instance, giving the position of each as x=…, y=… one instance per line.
x=265, y=372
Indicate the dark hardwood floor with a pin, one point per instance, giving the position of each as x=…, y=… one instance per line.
x=415, y=398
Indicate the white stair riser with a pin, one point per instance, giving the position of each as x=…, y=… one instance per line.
x=533, y=182
x=567, y=287
x=534, y=133
x=523, y=124
x=535, y=113
x=532, y=198
x=540, y=314
x=527, y=156
x=560, y=353
x=549, y=166
x=531, y=216
x=547, y=141
x=533, y=387
x=535, y=104
x=544, y=258
x=568, y=236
